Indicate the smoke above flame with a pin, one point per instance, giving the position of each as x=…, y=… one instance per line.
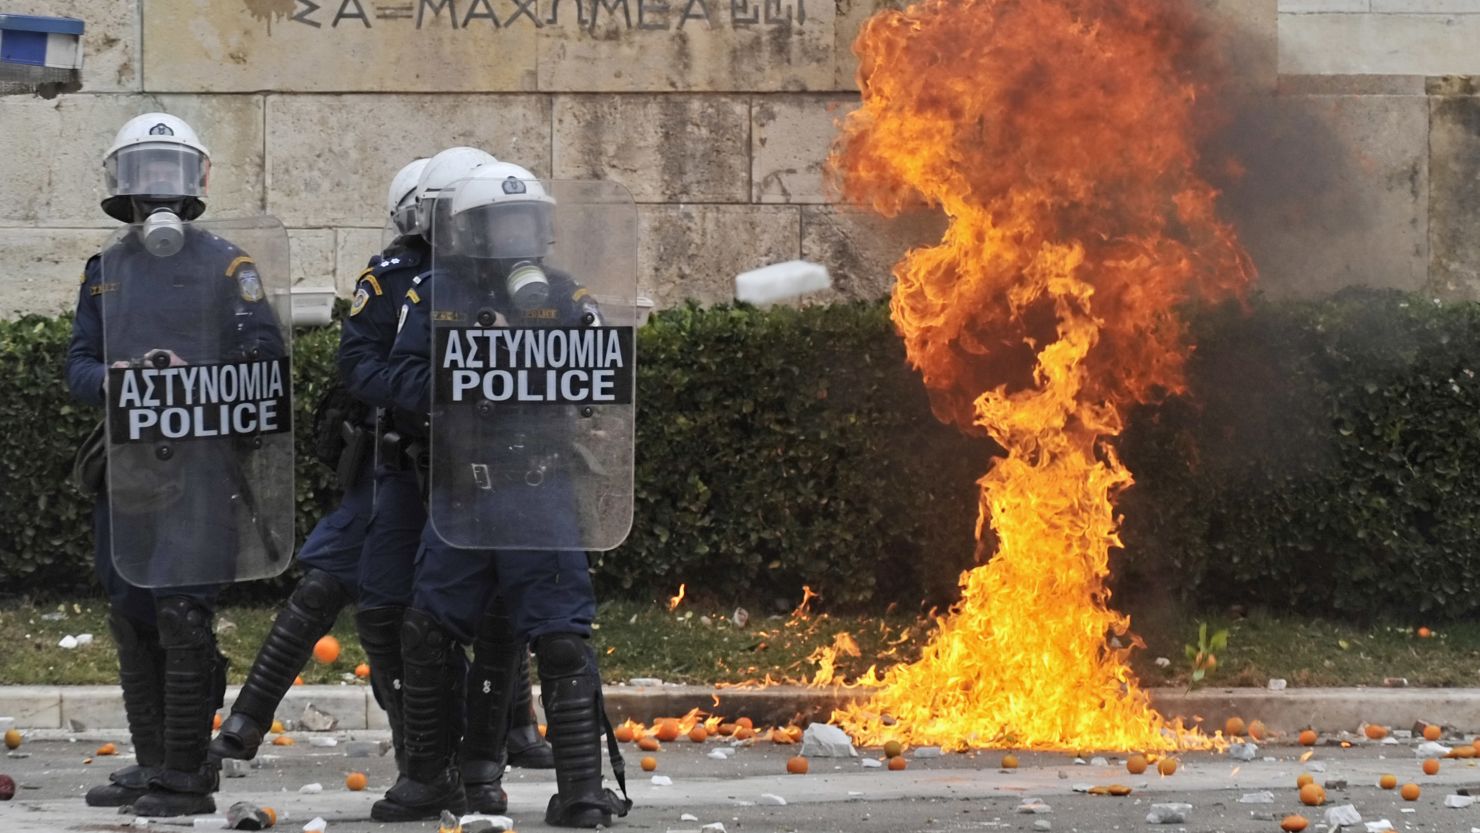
x=1059, y=138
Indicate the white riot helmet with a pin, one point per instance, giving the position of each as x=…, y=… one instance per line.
x=399, y=200
x=502, y=213
x=156, y=157
x=442, y=170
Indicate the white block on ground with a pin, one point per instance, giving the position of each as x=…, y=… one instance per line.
x=824, y=741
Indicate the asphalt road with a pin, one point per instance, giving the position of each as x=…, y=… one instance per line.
x=949, y=793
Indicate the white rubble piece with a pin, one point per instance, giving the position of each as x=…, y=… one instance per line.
x=872, y=763
x=311, y=789
x=772, y=798
x=1265, y=797
x=316, y=719
x=713, y=827
x=1168, y=814
x=662, y=781
x=1458, y=802
x=1276, y=684
x=1243, y=751
x=318, y=825
x=68, y=642
x=718, y=753
x=1099, y=761
x=323, y=742
x=483, y=823
x=84, y=639
x=824, y=741
x=1034, y=806
x=688, y=817
x=1379, y=826
x=928, y=752
x=1430, y=749
x=1344, y=815
x=740, y=617
x=781, y=281
x=1163, y=662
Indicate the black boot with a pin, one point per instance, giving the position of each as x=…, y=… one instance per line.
x=491, y=682
x=431, y=705
x=380, y=636
x=571, y=690
x=141, y=674
x=194, y=683
x=309, y=615
x=527, y=749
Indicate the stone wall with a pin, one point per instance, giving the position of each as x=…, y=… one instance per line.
x=716, y=114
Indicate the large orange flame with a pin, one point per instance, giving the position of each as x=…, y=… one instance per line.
x=1059, y=139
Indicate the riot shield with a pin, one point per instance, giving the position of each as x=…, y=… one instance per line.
x=197, y=339
x=533, y=365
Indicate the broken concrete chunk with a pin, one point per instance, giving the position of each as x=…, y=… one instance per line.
x=872, y=763
x=1099, y=761
x=318, y=825
x=323, y=742
x=316, y=719
x=824, y=741
x=1379, y=826
x=688, y=817
x=1430, y=749
x=1264, y=797
x=662, y=781
x=928, y=752
x=1168, y=814
x=713, y=827
x=1243, y=751
x=484, y=823
x=1458, y=802
x=1276, y=684
x=311, y=789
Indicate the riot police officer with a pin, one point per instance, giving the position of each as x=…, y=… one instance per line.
x=196, y=498
x=489, y=234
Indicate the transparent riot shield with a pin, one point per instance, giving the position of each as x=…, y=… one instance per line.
x=533, y=294
x=197, y=341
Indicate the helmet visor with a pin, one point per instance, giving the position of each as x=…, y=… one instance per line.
x=505, y=230
x=157, y=169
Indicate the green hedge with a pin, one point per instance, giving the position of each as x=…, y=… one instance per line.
x=1326, y=460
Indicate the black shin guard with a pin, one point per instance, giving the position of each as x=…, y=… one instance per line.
x=527, y=749
x=571, y=689
x=194, y=681
x=431, y=697
x=380, y=635
x=141, y=675
x=309, y=615
x=491, y=681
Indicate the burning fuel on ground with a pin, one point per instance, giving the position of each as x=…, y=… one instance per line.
x=1060, y=140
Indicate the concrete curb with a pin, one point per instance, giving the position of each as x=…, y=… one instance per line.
x=1325, y=709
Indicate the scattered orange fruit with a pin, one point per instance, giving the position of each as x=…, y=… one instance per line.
x=282, y=740
x=543, y=728
x=745, y=722
x=796, y=765
x=1234, y=727
x=649, y=763
x=1136, y=764
x=649, y=744
x=698, y=734
x=362, y=670
x=271, y=815
x=1294, y=824
x=667, y=730
x=355, y=781
x=1424, y=633
x=1431, y=766
x=1388, y=781
x=897, y=764
x=727, y=729
x=1432, y=732
x=277, y=726
x=1304, y=778
x=107, y=749
x=893, y=749
x=216, y=722
x=1410, y=792
x=1308, y=737
x=1312, y=795
x=298, y=680
x=1257, y=730
x=1462, y=752
x=781, y=736
x=744, y=732
x=12, y=739
x=624, y=733
x=1476, y=744
x=326, y=650
x=1166, y=766
x=1375, y=732
x=1009, y=762
x=1118, y=790
x=795, y=732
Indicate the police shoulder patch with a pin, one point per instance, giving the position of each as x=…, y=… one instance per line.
x=250, y=284
x=362, y=297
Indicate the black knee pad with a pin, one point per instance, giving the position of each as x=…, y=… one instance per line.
x=130, y=634
x=184, y=623
x=562, y=655
x=422, y=637
x=319, y=596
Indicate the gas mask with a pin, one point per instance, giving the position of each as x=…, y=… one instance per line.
x=162, y=231
x=527, y=285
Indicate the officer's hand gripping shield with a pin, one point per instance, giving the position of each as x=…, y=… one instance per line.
x=533, y=318
x=197, y=338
